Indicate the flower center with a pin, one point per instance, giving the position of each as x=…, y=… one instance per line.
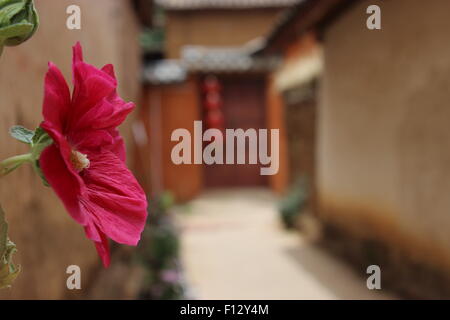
x=79, y=160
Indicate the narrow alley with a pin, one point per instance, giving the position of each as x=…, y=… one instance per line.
x=233, y=247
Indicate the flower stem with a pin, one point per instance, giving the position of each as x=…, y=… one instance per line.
x=10, y=164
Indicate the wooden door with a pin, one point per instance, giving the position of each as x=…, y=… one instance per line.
x=244, y=108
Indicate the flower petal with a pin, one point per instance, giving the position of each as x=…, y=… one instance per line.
x=91, y=86
x=56, y=97
x=103, y=250
x=77, y=51
x=115, y=200
x=109, y=113
x=64, y=148
x=118, y=146
x=101, y=242
x=65, y=185
x=90, y=139
x=109, y=69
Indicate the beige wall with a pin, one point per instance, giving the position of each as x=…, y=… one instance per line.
x=216, y=27
x=384, y=159
x=47, y=238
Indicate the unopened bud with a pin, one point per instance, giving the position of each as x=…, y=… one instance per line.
x=18, y=22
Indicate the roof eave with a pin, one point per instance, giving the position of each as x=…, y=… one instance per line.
x=305, y=16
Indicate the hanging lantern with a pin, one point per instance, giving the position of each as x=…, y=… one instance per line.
x=212, y=103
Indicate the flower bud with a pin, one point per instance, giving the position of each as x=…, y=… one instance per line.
x=18, y=22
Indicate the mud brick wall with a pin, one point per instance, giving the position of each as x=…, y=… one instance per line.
x=383, y=160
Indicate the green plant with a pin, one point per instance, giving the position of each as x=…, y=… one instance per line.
x=292, y=205
x=158, y=252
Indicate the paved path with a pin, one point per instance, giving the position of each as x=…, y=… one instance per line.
x=234, y=248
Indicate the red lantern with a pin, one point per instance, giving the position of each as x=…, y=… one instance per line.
x=211, y=83
x=212, y=102
x=215, y=119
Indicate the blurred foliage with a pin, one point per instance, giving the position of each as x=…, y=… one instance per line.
x=152, y=40
x=292, y=205
x=158, y=253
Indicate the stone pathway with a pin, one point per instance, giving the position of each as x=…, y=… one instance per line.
x=233, y=247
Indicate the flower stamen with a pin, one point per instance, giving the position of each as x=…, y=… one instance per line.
x=79, y=160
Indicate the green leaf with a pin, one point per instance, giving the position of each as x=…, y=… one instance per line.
x=22, y=134
x=38, y=140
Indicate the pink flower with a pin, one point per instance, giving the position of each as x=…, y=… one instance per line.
x=86, y=163
x=170, y=276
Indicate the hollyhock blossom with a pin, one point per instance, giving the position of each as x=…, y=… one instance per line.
x=85, y=165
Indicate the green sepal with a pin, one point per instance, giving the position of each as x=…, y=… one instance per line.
x=40, y=136
x=40, y=141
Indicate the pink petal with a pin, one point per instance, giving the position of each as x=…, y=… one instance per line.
x=115, y=200
x=101, y=242
x=56, y=97
x=77, y=51
x=109, y=69
x=94, y=140
x=92, y=232
x=64, y=148
x=91, y=86
x=107, y=113
x=103, y=250
x=118, y=146
x=65, y=185
x=90, y=139
x=95, y=102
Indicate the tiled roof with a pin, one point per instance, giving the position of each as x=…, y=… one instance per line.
x=222, y=4
x=165, y=72
x=209, y=60
x=223, y=60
